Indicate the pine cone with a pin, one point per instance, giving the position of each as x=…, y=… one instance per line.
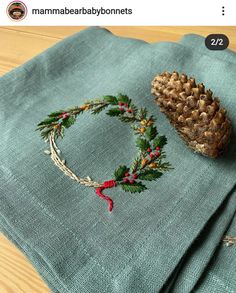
x=195, y=114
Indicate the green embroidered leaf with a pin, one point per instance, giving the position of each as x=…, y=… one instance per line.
x=111, y=100
x=114, y=112
x=135, y=165
x=151, y=118
x=134, y=127
x=99, y=109
x=120, y=172
x=56, y=113
x=166, y=166
x=61, y=132
x=134, y=108
x=149, y=175
x=151, y=132
x=48, y=121
x=124, y=99
x=45, y=133
x=135, y=187
x=68, y=121
x=41, y=127
x=160, y=141
x=142, y=113
x=76, y=110
x=127, y=119
x=143, y=144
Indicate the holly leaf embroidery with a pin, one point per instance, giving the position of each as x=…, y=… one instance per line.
x=114, y=112
x=142, y=144
x=120, y=172
x=111, y=100
x=159, y=141
x=149, y=175
x=68, y=121
x=124, y=99
x=151, y=132
x=135, y=187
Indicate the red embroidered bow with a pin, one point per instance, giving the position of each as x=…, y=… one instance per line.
x=106, y=184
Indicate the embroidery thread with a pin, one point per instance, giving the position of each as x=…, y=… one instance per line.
x=229, y=240
x=148, y=165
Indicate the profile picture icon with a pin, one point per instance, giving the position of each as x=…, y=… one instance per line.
x=17, y=10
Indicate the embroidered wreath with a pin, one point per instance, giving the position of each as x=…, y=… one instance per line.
x=148, y=164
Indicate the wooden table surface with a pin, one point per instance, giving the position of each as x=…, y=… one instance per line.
x=19, y=44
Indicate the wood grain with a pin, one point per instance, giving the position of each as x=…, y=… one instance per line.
x=19, y=44
x=17, y=275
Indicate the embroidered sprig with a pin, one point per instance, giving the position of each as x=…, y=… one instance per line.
x=149, y=163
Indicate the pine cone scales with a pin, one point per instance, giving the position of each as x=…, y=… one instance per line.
x=195, y=114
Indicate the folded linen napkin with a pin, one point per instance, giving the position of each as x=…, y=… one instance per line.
x=219, y=270
x=64, y=229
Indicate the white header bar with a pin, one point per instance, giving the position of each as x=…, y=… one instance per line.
x=122, y=12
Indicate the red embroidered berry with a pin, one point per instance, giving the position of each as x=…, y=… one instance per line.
x=126, y=105
x=152, y=155
x=122, y=109
x=157, y=154
x=135, y=176
x=130, y=110
x=131, y=181
x=125, y=180
x=120, y=104
x=149, y=150
x=127, y=174
x=157, y=148
x=64, y=115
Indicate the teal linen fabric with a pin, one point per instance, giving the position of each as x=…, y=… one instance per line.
x=219, y=274
x=64, y=228
x=196, y=264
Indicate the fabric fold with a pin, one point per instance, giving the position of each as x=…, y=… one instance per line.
x=219, y=275
x=202, y=251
